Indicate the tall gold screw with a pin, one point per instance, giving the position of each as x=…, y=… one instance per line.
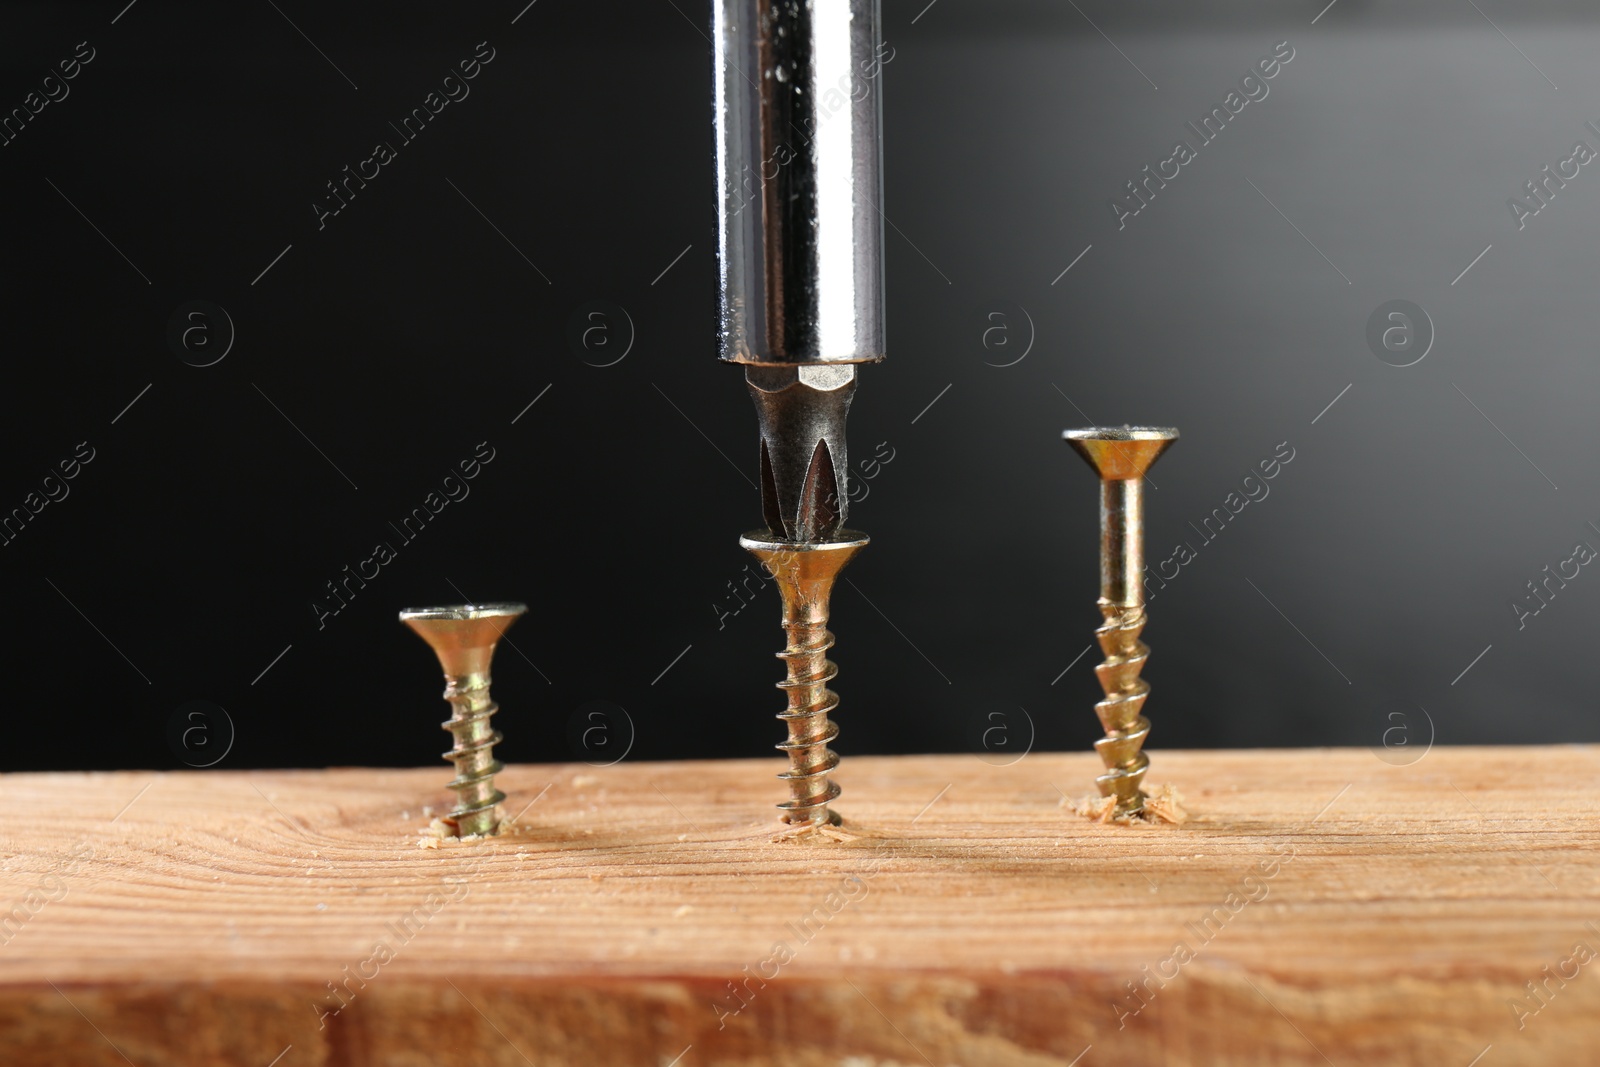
x=464, y=639
x=805, y=572
x=1121, y=456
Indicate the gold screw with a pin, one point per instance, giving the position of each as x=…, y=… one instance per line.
x=1121, y=456
x=805, y=572
x=464, y=639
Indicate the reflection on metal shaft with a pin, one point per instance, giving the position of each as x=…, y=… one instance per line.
x=798, y=172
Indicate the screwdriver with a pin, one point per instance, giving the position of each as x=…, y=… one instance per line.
x=800, y=250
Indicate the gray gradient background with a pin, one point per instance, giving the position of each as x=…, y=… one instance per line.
x=1348, y=603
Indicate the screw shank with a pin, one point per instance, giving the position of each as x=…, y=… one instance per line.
x=470, y=708
x=1122, y=542
x=473, y=752
x=1122, y=604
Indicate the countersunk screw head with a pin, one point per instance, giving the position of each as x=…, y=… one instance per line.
x=463, y=636
x=1118, y=453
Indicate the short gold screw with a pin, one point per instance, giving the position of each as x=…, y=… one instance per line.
x=1121, y=456
x=464, y=639
x=804, y=572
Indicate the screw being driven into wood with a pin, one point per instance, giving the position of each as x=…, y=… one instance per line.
x=464, y=639
x=1120, y=456
x=801, y=280
x=804, y=573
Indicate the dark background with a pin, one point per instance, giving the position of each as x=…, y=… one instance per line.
x=380, y=350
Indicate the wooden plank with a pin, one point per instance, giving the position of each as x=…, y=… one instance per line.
x=1332, y=908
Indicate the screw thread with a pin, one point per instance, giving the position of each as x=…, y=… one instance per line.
x=1121, y=712
x=473, y=753
x=810, y=729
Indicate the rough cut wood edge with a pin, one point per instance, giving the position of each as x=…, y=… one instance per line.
x=1359, y=913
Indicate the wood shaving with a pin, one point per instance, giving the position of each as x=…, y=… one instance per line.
x=1165, y=805
x=442, y=832
x=1097, y=809
x=810, y=832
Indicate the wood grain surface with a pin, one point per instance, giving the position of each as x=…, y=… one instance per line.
x=1319, y=907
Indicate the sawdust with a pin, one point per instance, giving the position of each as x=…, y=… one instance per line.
x=811, y=832
x=1165, y=805
x=442, y=833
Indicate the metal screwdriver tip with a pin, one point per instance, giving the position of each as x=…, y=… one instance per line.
x=805, y=574
x=1121, y=456
x=464, y=636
